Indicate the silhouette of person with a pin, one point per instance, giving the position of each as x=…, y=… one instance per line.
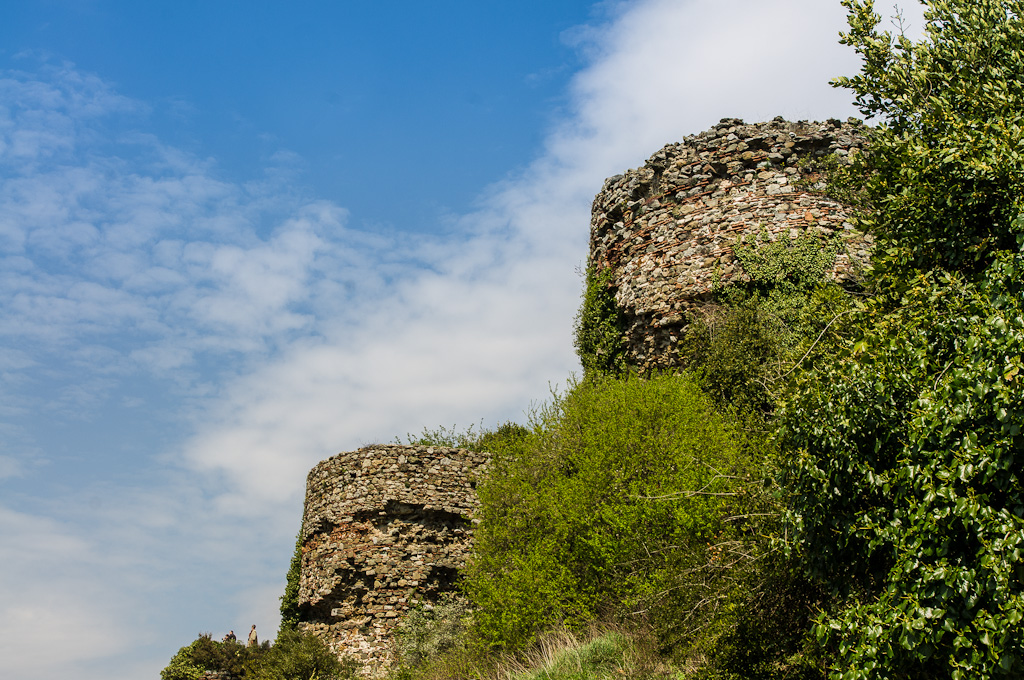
x=252, y=637
x=230, y=637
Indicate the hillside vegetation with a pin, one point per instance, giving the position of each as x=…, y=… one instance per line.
x=831, y=487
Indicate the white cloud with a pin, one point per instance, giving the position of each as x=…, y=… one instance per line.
x=52, y=613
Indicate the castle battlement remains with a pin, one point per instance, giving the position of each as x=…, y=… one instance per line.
x=384, y=528
x=666, y=230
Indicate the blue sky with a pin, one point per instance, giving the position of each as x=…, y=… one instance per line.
x=236, y=238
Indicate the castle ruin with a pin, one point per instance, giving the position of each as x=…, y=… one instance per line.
x=386, y=528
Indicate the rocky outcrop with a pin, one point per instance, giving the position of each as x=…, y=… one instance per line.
x=666, y=230
x=385, y=528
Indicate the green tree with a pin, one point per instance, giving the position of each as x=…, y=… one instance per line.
x=298, y=656
x=946, y=170
x=904, y=441
x=206, y=654
x=907, y=496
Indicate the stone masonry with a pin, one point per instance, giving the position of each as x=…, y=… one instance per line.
x=384, y=529
x=666, y=230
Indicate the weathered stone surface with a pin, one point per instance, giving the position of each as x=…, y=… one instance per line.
x=667, y=230
x=384, y=528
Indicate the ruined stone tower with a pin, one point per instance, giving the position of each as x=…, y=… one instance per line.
x=384, y=529
x=666, y=231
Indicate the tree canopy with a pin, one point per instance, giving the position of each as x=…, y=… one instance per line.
x=904, y=435
x=946, y=172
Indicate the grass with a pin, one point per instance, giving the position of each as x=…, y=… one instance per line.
x=604, y=653
x=562, y=656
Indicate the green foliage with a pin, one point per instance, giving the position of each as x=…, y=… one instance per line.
x=788, y=264
x=600, y=326
x=744, y=346
x=784, y=273
x=206, y=654
x=430, y=630
x=739, y=352
x=907, y=495
x=506, y=435
x=768, y=636
x=290, y=615
x=903, y=469
x=945, y=173
x=450, y=437
x=181, y=667
x=298, y=656
x=744, y=353
x=609, y=506
x=295, y=656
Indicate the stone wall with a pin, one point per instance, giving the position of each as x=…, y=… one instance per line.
x=666, y=230
x=384, y=528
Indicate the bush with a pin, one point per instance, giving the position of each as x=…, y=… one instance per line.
x=767, y=635
x=298, y=656
x=614, y=503
x=905, y=479
x=739, y=354
x=206, y=654
x=473, y=438
x=295, y=656
x=181, y=668
x=432, y=629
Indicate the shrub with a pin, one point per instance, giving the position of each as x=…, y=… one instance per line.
x=181, y=668
x=610, y=505
x=298, y=656
x=767, y=634
x=738, y=352
x=904, y=449
x=432, y=629
x=905, y=480
x=508, y=434
x=206, y=654
x=295, y=656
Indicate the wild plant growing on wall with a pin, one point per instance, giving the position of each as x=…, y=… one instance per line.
x=600, y=326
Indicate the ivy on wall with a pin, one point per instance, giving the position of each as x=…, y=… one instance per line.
x=784, y=274
x=290, y=616
x=790, y=264
x=600, y=326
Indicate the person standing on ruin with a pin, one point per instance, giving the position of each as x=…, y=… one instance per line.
x=253, y=642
